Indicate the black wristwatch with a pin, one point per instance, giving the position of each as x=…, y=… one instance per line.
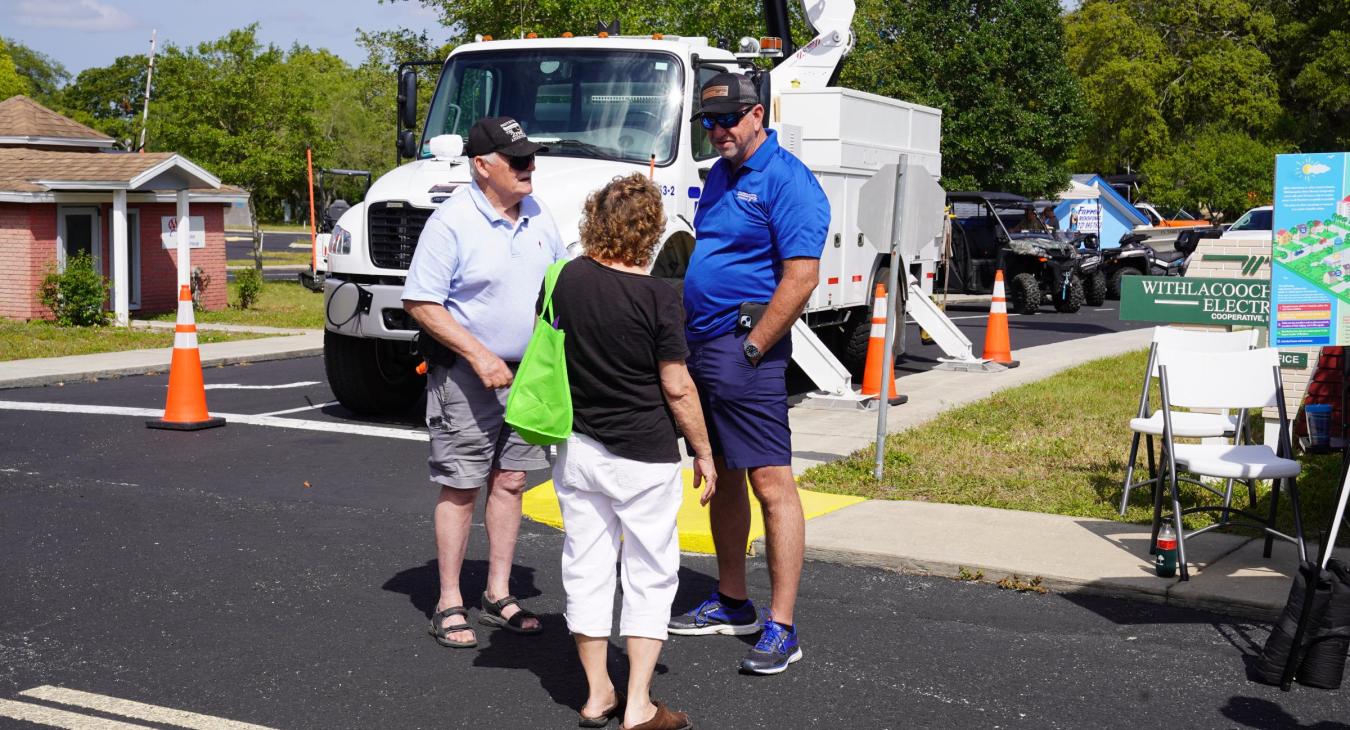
x=752, y=353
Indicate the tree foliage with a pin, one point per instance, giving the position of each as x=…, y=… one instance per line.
x=1011, y=111
x=11, y=83
x=45, y=75
x=1174, y=85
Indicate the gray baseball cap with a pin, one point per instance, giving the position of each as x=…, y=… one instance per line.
x=725, y=93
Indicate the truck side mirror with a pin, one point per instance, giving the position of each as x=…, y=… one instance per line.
x=407, y=99
x=407, y=143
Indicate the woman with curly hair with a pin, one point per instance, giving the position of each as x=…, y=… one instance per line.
x=618, y=476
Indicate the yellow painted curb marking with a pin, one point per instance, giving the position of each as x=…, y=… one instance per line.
x=541, y=505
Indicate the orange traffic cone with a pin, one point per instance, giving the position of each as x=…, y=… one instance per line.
x=185, y=407
x=876, y=351
x=997, y=346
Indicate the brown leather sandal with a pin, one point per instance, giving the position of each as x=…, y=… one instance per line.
x=664, y=719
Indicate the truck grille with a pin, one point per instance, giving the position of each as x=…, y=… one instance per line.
x=393, y=230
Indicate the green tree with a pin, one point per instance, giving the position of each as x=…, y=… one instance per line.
x=1311, y=51
x=11, y=83
x=1011, y=111
x=1220, y=171
x=45, y=74
x=1172, y=83
x=108, y=98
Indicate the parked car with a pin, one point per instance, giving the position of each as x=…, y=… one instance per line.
x=1178, y=219
x=1254, y=225
x=995, y=231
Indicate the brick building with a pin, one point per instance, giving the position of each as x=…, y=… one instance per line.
x=63, y=190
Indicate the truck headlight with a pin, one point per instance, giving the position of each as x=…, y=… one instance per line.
x=341, y=242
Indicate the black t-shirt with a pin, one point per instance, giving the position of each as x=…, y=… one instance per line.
x=619, y=327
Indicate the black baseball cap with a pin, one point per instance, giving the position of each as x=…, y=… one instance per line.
x=725, y=93
x=499, y=134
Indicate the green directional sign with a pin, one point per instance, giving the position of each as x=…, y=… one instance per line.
x=1195, y=301
x=1293, y=360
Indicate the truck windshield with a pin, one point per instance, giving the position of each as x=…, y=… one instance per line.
x=617, y=105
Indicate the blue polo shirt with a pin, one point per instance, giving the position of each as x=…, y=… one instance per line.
x=747, y=222
x=485, y=269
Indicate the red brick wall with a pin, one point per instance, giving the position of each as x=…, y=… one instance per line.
x=27, y=252
x=159, y=266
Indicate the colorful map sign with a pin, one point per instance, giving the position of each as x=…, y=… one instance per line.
x=1310, y=271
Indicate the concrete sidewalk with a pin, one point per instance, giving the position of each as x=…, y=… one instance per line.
x=1065, y=553
x=52, y=370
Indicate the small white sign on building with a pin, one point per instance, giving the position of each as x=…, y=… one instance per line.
x=1087, y=217
x=168, y=231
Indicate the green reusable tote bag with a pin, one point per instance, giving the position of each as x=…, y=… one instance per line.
x=539, y=407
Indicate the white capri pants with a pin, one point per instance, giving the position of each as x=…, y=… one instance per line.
x=605, y=498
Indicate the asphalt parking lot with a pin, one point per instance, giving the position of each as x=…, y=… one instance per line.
x=275, y=574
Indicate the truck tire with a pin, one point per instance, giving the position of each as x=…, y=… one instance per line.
x=1094, y=289
x=857, y=332
x=366, y=377
x=1114, y=285
x=1072, y=301
x=1024, y=294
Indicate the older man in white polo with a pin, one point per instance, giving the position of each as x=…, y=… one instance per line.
x=472, y=288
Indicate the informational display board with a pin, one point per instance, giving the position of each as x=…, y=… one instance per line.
x=1310, y=254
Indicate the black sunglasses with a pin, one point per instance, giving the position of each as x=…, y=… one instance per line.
x=725, y=121
x=520, y=164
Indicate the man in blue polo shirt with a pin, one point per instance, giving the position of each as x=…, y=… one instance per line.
x=761, y=226
x=471, y=287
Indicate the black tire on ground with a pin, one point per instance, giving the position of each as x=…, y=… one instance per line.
x=1094, y=289
x=1114, y=284
x=1072, y=301
x=1024, y=294
x=366, y=377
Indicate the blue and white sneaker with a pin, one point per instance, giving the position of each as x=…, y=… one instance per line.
x=711, y=617
x=777, y=648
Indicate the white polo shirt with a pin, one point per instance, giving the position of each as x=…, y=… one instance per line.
x=484, y=269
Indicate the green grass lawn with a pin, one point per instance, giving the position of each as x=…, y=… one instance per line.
x=1057, y=446
x=275, y=228
x=276, y=258
x=281, y=304
x=24, y=340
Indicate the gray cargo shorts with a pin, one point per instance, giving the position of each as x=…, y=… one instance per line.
x=469, y=435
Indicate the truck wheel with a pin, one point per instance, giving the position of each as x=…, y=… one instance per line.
x=367, y=376
x=1114, y=286
x=1095, y=289
x=1024, y=294
x=1072, y=301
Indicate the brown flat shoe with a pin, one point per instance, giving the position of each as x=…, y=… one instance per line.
x=602, y=720
x=664, y=719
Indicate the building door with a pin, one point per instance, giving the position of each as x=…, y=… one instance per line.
x=77, y=231
x=134, y=258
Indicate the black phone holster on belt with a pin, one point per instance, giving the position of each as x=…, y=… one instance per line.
x=433, y=351
x=749, y=315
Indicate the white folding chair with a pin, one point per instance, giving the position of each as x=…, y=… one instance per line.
x=1243, y=381
x=1148, y=424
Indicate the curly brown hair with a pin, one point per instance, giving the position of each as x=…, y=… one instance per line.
x=623, y=221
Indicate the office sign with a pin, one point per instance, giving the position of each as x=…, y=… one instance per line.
x=1179, y=300
x=168, y=231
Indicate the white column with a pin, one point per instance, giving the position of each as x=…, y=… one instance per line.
x=184, y=262
x=120, y=254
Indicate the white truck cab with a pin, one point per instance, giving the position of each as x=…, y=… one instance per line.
x=606, y=107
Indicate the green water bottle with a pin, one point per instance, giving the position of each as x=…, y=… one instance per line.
x=1166, y=561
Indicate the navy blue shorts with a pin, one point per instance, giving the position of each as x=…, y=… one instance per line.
x=744, y=406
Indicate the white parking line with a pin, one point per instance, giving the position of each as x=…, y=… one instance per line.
x=248, y=419
x=237, y=386
x=136, y=710
x=60, y=718
x=108, y=705
x=302, y=408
